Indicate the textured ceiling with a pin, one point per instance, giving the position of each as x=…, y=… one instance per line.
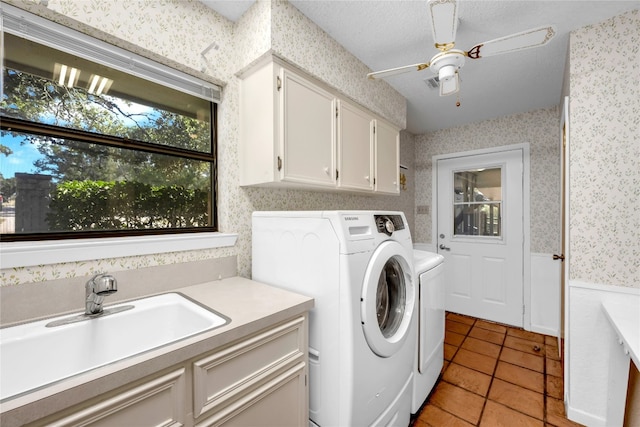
x=387, y=34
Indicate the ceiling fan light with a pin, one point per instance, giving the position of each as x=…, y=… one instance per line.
x=451, y=85
x=446, y=73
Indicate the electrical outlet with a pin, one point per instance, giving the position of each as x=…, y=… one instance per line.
x=424, y=209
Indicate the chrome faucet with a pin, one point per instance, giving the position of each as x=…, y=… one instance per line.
x=96, y=289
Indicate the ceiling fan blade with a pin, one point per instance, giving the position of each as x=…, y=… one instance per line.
x=398, y=70
x=444, y=23
x=524, y=40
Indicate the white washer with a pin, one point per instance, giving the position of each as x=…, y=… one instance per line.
x=430, y=300
x=358, y=267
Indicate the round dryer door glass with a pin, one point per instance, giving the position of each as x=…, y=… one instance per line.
x=390, y=298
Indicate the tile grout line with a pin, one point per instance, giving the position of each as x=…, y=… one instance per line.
x=458, y=347
x=493, y=376
x=544, y=386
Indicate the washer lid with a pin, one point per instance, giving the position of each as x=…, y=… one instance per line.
x=425, y=261
x=388, y=299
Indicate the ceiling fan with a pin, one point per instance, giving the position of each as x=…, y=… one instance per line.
x=447, y=63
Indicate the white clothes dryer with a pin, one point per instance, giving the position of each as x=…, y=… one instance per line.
x=430, y=302
x=357, y=265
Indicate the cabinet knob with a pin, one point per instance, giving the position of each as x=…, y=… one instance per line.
x=326, y=170
x=367, y=178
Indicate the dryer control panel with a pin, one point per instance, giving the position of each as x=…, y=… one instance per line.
x=387, y=224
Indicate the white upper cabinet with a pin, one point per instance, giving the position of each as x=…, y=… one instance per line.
x=355, y=148
x=297, y=132
x=387, y=158
x=308, y=137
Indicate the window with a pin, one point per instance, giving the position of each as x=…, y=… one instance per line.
x=477, y=202
x=89, y=148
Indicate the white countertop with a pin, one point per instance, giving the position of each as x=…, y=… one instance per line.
x=625, y=319
x=251, y=306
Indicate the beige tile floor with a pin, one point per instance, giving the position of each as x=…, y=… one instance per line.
x=495, y=375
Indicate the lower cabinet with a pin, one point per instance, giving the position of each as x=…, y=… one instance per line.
x=259, y=380
x=156, y=402
x=279, y=402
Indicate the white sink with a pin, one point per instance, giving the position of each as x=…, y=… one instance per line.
x=33, y=355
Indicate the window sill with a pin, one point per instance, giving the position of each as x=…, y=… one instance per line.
x=24, y=254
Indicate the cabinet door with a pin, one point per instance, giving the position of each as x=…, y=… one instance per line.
x=387, y=147
x=259, y=381
x=258, y=144
x=355, y=148
x=157, y=402
x=282, y=402
x=308, y=132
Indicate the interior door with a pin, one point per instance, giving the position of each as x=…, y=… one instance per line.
x=481, y=235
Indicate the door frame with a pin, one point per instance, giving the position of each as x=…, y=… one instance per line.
x=565, y=147
x=526, y=212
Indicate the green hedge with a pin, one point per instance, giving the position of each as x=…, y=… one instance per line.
x=118, y=205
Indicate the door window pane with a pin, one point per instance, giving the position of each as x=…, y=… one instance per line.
x=477, y=202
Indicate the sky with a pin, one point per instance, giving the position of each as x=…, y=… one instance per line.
x=22, y=158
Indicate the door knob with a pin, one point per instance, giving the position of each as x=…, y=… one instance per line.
x=443, y=247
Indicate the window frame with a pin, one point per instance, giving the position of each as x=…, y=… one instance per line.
x=23, y=24
x=49, y=248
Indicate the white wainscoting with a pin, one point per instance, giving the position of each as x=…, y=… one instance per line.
x=429, y=247
x=598, y=367
x=545, y=294
x=543, y=306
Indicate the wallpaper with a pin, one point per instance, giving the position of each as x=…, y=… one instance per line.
x=176, y=32
x=540, y=129
x=331, y=63
x=605, y=151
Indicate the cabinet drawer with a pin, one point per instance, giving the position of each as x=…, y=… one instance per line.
x=159, y=402
x=279, y=402
x=237, y=370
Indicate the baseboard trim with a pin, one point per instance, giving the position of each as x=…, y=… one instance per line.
x=585, y=418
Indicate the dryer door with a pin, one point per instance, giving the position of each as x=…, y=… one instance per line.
x=388, y=299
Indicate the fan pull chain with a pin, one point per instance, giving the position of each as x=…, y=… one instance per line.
x=458, y=99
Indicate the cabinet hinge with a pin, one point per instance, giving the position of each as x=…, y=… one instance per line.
x=374, y=181
x=279, y=163
x=336, y=174
x=278, y=83
x=336, y=112
x=374, y=129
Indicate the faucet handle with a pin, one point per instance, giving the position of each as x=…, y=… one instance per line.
x=96, y=289
x=104, y=284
